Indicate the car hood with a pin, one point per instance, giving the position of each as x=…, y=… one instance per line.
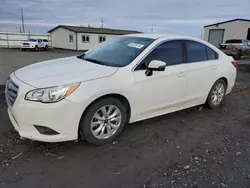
x=62, y=71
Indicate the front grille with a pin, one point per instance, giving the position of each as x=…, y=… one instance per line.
x=26, y=44
x=11, y=92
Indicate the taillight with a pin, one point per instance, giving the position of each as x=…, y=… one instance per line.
x=235, y=64
x=233, y=48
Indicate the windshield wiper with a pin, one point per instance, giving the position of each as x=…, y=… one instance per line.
x=94, y=61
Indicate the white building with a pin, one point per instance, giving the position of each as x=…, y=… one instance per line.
x=231, y=29
x=82, y=38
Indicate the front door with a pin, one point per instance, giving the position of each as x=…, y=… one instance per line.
x=163, y=91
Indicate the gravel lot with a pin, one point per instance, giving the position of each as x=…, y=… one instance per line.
x=190, y=148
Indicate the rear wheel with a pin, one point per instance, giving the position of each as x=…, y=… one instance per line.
x=238, y=56
x=216, y=94
x=46, y=48
x=103, y=121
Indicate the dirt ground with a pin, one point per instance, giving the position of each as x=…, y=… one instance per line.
x=191, y=148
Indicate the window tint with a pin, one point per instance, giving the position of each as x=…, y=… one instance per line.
x=169, y=52
x=211, y=55
x=32, y=40
x=117, y=52
x=196, y=52
x=233, y=41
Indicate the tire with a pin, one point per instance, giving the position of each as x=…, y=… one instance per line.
x=36, y=49
x=46, y=48
x=238, y=56
x=87, y=131
x=212, y=103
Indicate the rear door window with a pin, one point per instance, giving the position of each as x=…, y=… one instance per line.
x=196, y=52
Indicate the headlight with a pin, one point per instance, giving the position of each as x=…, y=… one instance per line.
x=52, y=94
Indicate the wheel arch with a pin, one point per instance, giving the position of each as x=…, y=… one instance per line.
x=224, y=79
x=118, y=96
x=221, y=78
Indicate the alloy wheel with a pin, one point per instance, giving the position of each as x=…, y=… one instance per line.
x=106, y=121
x=218, y=94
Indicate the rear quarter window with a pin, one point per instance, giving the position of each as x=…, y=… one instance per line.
x=196, y=52
x=211, y=54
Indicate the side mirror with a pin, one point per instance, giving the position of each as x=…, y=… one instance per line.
x=155, y=65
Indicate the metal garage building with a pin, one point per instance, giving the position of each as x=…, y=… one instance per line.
x=231, y=29
x=82, y=38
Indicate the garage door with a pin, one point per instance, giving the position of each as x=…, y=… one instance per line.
x=216, y=36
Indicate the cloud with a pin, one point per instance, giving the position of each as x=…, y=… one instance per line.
x=181, y=16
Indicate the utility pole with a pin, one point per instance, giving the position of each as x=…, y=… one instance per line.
x=201, y=33
x=152, y=28
x=22, y=20
x=102, y=22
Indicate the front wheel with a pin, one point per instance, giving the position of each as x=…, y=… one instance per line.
x=46, y=48
x=216, y=94
x=103, y=121
x=36, y=49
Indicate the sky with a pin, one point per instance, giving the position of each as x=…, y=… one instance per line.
x=186, y=17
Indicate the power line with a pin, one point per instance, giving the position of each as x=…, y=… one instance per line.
x=22, y=20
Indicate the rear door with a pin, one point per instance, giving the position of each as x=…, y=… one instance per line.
x=202, y=66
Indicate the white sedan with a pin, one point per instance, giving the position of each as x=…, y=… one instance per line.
x=124, y=80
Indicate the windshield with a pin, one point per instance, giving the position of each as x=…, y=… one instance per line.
x=32, y=40
x=117, y=52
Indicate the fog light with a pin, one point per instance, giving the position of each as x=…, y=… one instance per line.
x=45, y=130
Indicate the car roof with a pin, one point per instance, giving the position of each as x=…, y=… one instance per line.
x=158, y=35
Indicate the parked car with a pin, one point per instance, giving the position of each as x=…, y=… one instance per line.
x=236, y=48
x=124, y=80
x=35, y=45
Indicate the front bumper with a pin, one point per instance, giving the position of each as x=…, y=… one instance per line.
x=27, y=47
x=62, y=117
